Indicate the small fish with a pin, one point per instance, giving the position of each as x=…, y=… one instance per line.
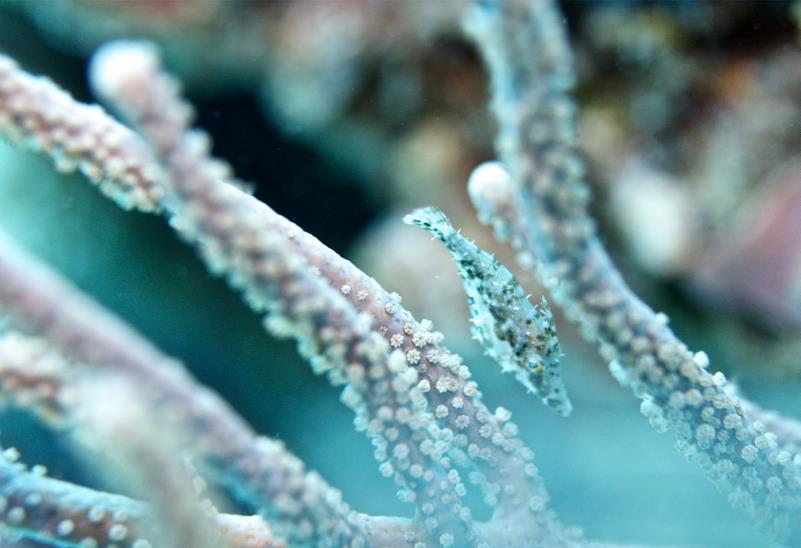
x=518, y=335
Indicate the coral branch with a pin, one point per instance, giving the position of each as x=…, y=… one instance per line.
x=33, y=378
x=40, y=508
x=468, y=433
x=446, y=381
x=258, y=467
x=459, y=411
x=49, y=511
x=147, y=455
x=76, y=136
x=380, y=387
x=527, y=55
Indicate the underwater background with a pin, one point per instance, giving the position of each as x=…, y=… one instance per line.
x=347, y=114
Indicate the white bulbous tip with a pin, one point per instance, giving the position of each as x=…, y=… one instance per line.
x=117, y=68
x=7, y=64
x=490, y=183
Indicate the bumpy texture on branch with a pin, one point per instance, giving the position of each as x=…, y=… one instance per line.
x=44, y=117
x=274, y=481
x=483, y=442
x=380, y=386
x=527, y=54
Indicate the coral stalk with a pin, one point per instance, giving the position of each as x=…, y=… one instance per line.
x=35, y=507
x=40, y=301
x=37, y=113
x=380, y=386
x=527, y=55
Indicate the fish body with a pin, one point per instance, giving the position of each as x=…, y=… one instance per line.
x=518, y=335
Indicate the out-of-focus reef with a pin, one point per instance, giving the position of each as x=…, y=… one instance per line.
x=689, y=115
